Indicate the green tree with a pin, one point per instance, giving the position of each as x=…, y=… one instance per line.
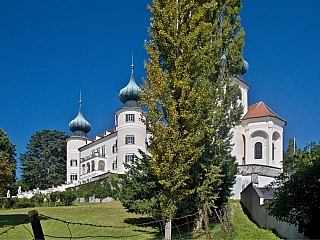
x=44, y=162
x=288, y=155
x=191, y=97
x=9, y=152
x=140, y=188
x=298, y=192
x=5, y=173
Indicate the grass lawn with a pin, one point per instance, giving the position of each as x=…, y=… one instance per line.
x=124, y=224
x=105, y=214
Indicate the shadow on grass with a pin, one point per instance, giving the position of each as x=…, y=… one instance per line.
x=8, y=220
x=146, y=222
x=180, y=229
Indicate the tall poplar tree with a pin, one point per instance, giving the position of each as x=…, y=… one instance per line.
x=191, y=97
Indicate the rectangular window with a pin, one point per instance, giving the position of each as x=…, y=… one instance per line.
x=114, y=148
x=129, y=139
x=97, y=152
x=114, y=164
x=73, y=162
x=73, y=177
x=129, y=117
x=129, y=158
x=103, y=151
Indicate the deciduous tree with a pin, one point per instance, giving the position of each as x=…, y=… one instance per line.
x=44, y=162
x=5, y=174
x=9, y=152
x=191, y=97
x=298, y=192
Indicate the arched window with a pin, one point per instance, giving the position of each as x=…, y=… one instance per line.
x=258, y=150
x=101, y=165
x=273, y=152
x=88, y=167
x=92, y=165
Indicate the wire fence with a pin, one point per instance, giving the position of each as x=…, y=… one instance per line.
x=182, y=228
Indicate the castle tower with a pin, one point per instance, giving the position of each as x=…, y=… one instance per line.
x=130, y=128
x=80, y=127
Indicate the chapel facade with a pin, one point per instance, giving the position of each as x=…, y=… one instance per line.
x=257, y=141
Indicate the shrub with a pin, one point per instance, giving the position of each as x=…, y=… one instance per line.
x=67, y=197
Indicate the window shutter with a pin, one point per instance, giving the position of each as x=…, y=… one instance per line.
x=127, y=117
x=126, y=140
x=132, y=139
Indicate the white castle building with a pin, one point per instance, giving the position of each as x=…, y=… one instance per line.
x=258, y=141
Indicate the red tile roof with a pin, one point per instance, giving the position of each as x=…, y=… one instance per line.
x=260, y=109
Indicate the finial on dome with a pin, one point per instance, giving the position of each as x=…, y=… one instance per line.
x=80, y=101
x=132, y=65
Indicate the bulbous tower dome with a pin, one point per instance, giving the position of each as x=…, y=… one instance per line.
x=245, y=67
x=80, y=126
x=129, y=95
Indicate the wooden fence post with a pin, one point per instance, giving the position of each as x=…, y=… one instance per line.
x=36, y=225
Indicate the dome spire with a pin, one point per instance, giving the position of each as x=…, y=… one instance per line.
x=132, y=65
x=129, y=95
x=80, y=126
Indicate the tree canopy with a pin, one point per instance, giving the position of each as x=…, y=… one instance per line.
x=8, y=151
x=140, y=188
x=288, y=155
x=191, y=98
x=5, y=173
x=44, y=162
x=298, y=192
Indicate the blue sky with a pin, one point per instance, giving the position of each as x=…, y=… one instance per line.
x=52, y=50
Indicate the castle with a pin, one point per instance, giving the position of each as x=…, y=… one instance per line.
x=257, y=141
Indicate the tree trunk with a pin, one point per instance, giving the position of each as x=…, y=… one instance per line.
x=199, y=221
x=206, y=222
x=168, y=229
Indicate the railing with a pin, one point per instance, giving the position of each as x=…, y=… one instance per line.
x=91, y=174
x=91, y=156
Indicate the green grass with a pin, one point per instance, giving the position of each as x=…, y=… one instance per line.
x=246, y=229
x=105, y=214
x=113, y=214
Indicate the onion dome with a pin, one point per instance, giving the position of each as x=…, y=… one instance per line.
x=245, y=67
x=129, y=95
x=80, y=126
